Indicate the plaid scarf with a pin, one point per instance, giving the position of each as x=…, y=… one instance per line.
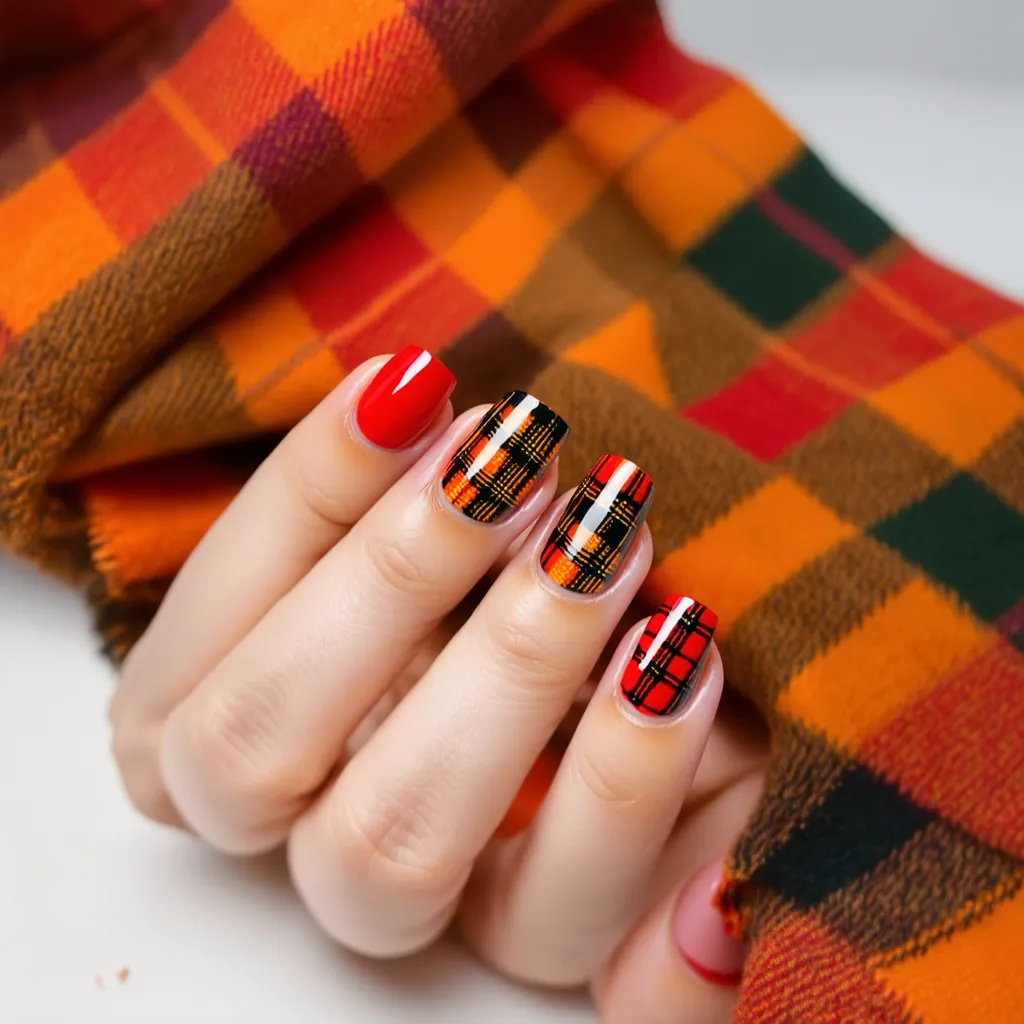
x=206, y=224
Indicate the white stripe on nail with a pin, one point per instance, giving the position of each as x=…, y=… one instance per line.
x=598, y=511
x=670, y=623
x=509, y=426
x=421, y=360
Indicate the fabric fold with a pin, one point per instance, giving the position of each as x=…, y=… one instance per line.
x=205, y=228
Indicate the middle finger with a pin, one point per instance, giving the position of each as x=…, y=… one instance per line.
x=381, y=858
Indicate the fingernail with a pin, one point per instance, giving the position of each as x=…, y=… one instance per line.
x=598, y=526
x=665, y=667
x=498, y=464
x=405, y=397
x=700, y=934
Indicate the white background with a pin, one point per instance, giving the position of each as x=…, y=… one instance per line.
x=87, y=888
x=967, y=40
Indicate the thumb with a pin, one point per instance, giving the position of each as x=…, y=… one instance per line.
x=679, y=966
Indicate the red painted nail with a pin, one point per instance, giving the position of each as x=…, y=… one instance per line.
x=662, y=674
x=699, y=929
x=398, y=405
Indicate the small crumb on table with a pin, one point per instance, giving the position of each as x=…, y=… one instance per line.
x=121, y=976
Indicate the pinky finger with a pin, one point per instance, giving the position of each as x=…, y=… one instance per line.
x=551, y=905
x=678, y=965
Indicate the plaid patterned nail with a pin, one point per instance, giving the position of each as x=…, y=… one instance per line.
x=667, y=661
x=598, y=525
x=504, y=457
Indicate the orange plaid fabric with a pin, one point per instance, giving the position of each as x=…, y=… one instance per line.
x=204, y=226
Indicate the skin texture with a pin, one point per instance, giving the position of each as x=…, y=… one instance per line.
x=349, y=666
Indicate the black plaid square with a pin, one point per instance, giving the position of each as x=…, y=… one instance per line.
x=598, y=525
x=498, y=464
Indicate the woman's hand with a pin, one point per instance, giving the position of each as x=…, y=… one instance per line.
x=285, y=634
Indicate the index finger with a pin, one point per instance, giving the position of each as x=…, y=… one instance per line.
x=322, y=478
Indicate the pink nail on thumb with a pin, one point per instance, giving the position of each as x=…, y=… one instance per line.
x=700, y=934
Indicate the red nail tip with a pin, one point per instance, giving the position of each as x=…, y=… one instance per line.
x=700, y=933
x=405, y=397
x=661, y=675
x=727, y=978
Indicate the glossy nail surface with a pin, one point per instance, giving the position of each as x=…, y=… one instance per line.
x=700, y=934
x=598, y=525
x=405, y=397
x=666, y=664
x=508, y=452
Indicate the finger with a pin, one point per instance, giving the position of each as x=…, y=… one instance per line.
x=710, y=823
x=551, y=906
x=322, y=477
x=382, y=858
x=737, y=747
x=243, y=754
x=679, y=966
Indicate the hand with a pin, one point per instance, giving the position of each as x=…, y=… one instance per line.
x=308, y=599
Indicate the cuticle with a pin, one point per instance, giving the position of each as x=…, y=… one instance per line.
x=637, y=717
x=439, y=497
x=356, y=432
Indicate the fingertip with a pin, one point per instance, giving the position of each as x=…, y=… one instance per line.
x=405, y=398
x=676, y=965
x=673, y=669
x=700, y=934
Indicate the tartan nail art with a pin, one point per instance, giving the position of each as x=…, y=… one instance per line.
x=666, y=664
x=498, y=464
x=598, y=525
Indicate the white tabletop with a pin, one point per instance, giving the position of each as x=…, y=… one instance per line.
x=88, y=888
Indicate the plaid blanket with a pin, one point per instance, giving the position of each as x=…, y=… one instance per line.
x=208, y=222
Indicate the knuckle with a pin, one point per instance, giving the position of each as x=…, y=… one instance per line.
x=392, y=844
x=138, y=766
x=233, y=741
x=536, y=955
x=606, y=782
x=324, y=494
x=519, y=648
x=148, y=796
x=398, y=567
x=125, y=748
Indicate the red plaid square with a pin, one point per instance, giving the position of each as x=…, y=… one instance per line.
x=355, y=262
x=233, y=79
x=769, y=409
x=867, y=342
x=955, y=302
x=139, y=168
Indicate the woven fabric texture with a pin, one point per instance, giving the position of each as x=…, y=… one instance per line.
x=208, y=222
